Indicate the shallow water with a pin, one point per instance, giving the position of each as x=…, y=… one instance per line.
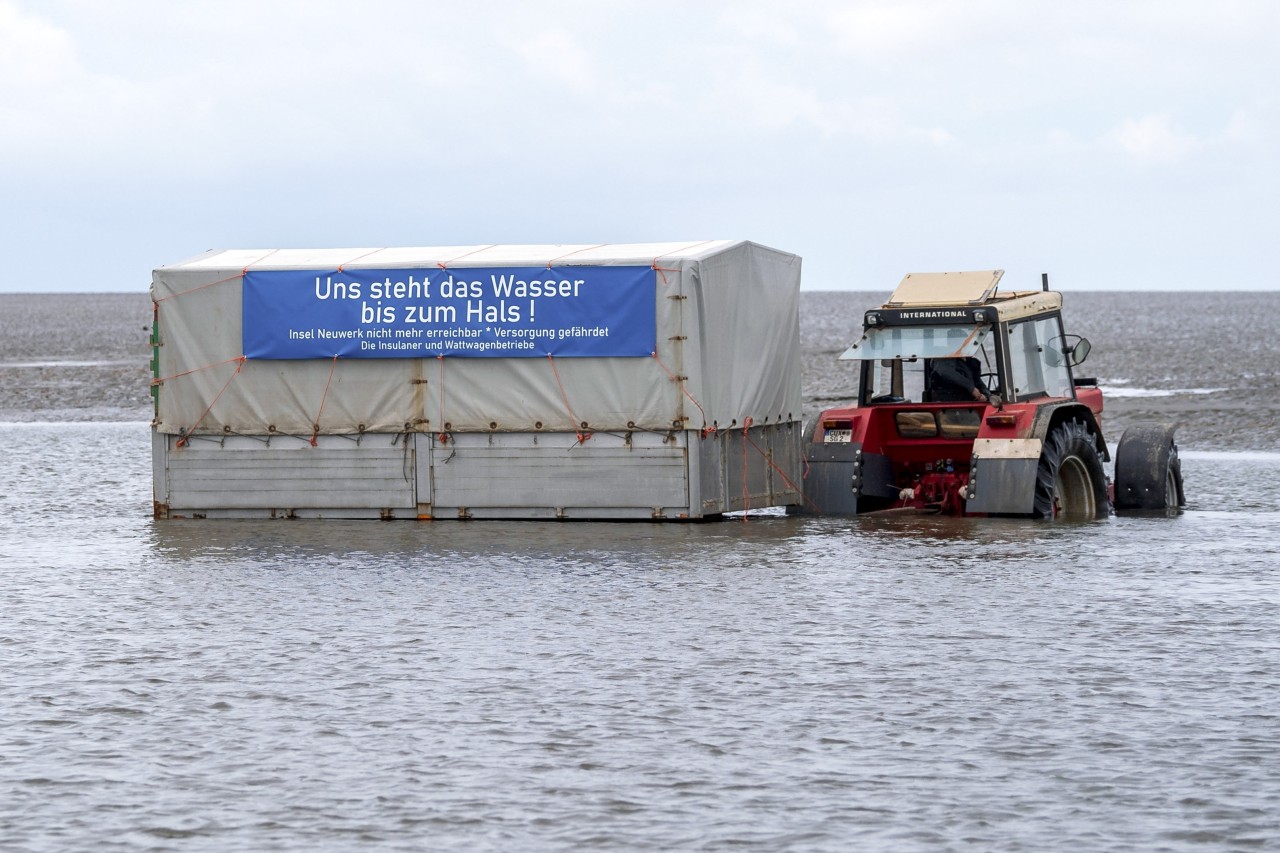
x=778, y=683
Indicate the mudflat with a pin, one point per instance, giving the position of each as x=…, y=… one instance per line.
x=1207, y=362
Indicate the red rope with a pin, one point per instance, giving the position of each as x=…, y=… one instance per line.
x=219, y=281
x=201, y=287
x=706, y=430
x=574, y=252
x=662, y=271
x=186, y=439
x=442, y=435
x=781, y=473
x=162, y=379
x=582, y=436
x=316, y=425
x=258, y=261
x=683, y=249
x=342, y=267
x=445, y=264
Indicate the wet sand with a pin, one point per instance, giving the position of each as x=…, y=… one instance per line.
x=1204, y=361
x=1207, y=362
x=75, y=357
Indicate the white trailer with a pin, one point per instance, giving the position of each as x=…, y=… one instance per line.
x=642, y=381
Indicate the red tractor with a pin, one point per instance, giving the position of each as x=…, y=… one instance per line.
x=968, y=405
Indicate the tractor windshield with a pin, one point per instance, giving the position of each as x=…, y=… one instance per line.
x=911, y=342
x=899, y=363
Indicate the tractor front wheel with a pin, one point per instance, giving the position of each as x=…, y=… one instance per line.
x=1070, y=482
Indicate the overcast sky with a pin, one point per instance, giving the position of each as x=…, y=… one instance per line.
x=1115, y=145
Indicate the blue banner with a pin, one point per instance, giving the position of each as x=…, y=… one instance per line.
x=498, y=312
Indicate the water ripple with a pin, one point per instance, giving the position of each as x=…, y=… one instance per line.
x=778, y=683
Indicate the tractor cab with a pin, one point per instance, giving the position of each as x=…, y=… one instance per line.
x=967, y=404
x=949, y=335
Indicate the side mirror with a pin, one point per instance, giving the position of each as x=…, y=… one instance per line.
x=1075, y=349
x=1080, y=351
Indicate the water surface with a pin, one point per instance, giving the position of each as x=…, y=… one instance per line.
x=778, y=683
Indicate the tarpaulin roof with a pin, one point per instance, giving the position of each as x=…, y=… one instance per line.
x=727, y=350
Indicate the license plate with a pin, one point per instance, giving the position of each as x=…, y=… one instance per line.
x=837, y=436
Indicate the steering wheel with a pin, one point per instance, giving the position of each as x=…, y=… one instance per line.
x=992, y=381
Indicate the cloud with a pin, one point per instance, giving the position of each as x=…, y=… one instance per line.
x=34, y=54
x=320, y=121
x=880, y=30
x=38, y=67
x=767, y=25
x=1154, y=139
x=1245, y=128
x=557, y=55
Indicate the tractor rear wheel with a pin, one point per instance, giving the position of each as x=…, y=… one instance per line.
x=1148, y=470
x=1070, y=482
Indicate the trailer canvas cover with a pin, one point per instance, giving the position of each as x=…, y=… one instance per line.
x=501, y=341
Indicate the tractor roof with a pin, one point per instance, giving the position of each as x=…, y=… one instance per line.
x=937, y=289
x=971, y=289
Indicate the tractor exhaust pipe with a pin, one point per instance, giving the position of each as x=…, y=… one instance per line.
x=1044, y=282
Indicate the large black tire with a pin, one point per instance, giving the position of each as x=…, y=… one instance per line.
x=1070, y=482
x=1148, y=470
